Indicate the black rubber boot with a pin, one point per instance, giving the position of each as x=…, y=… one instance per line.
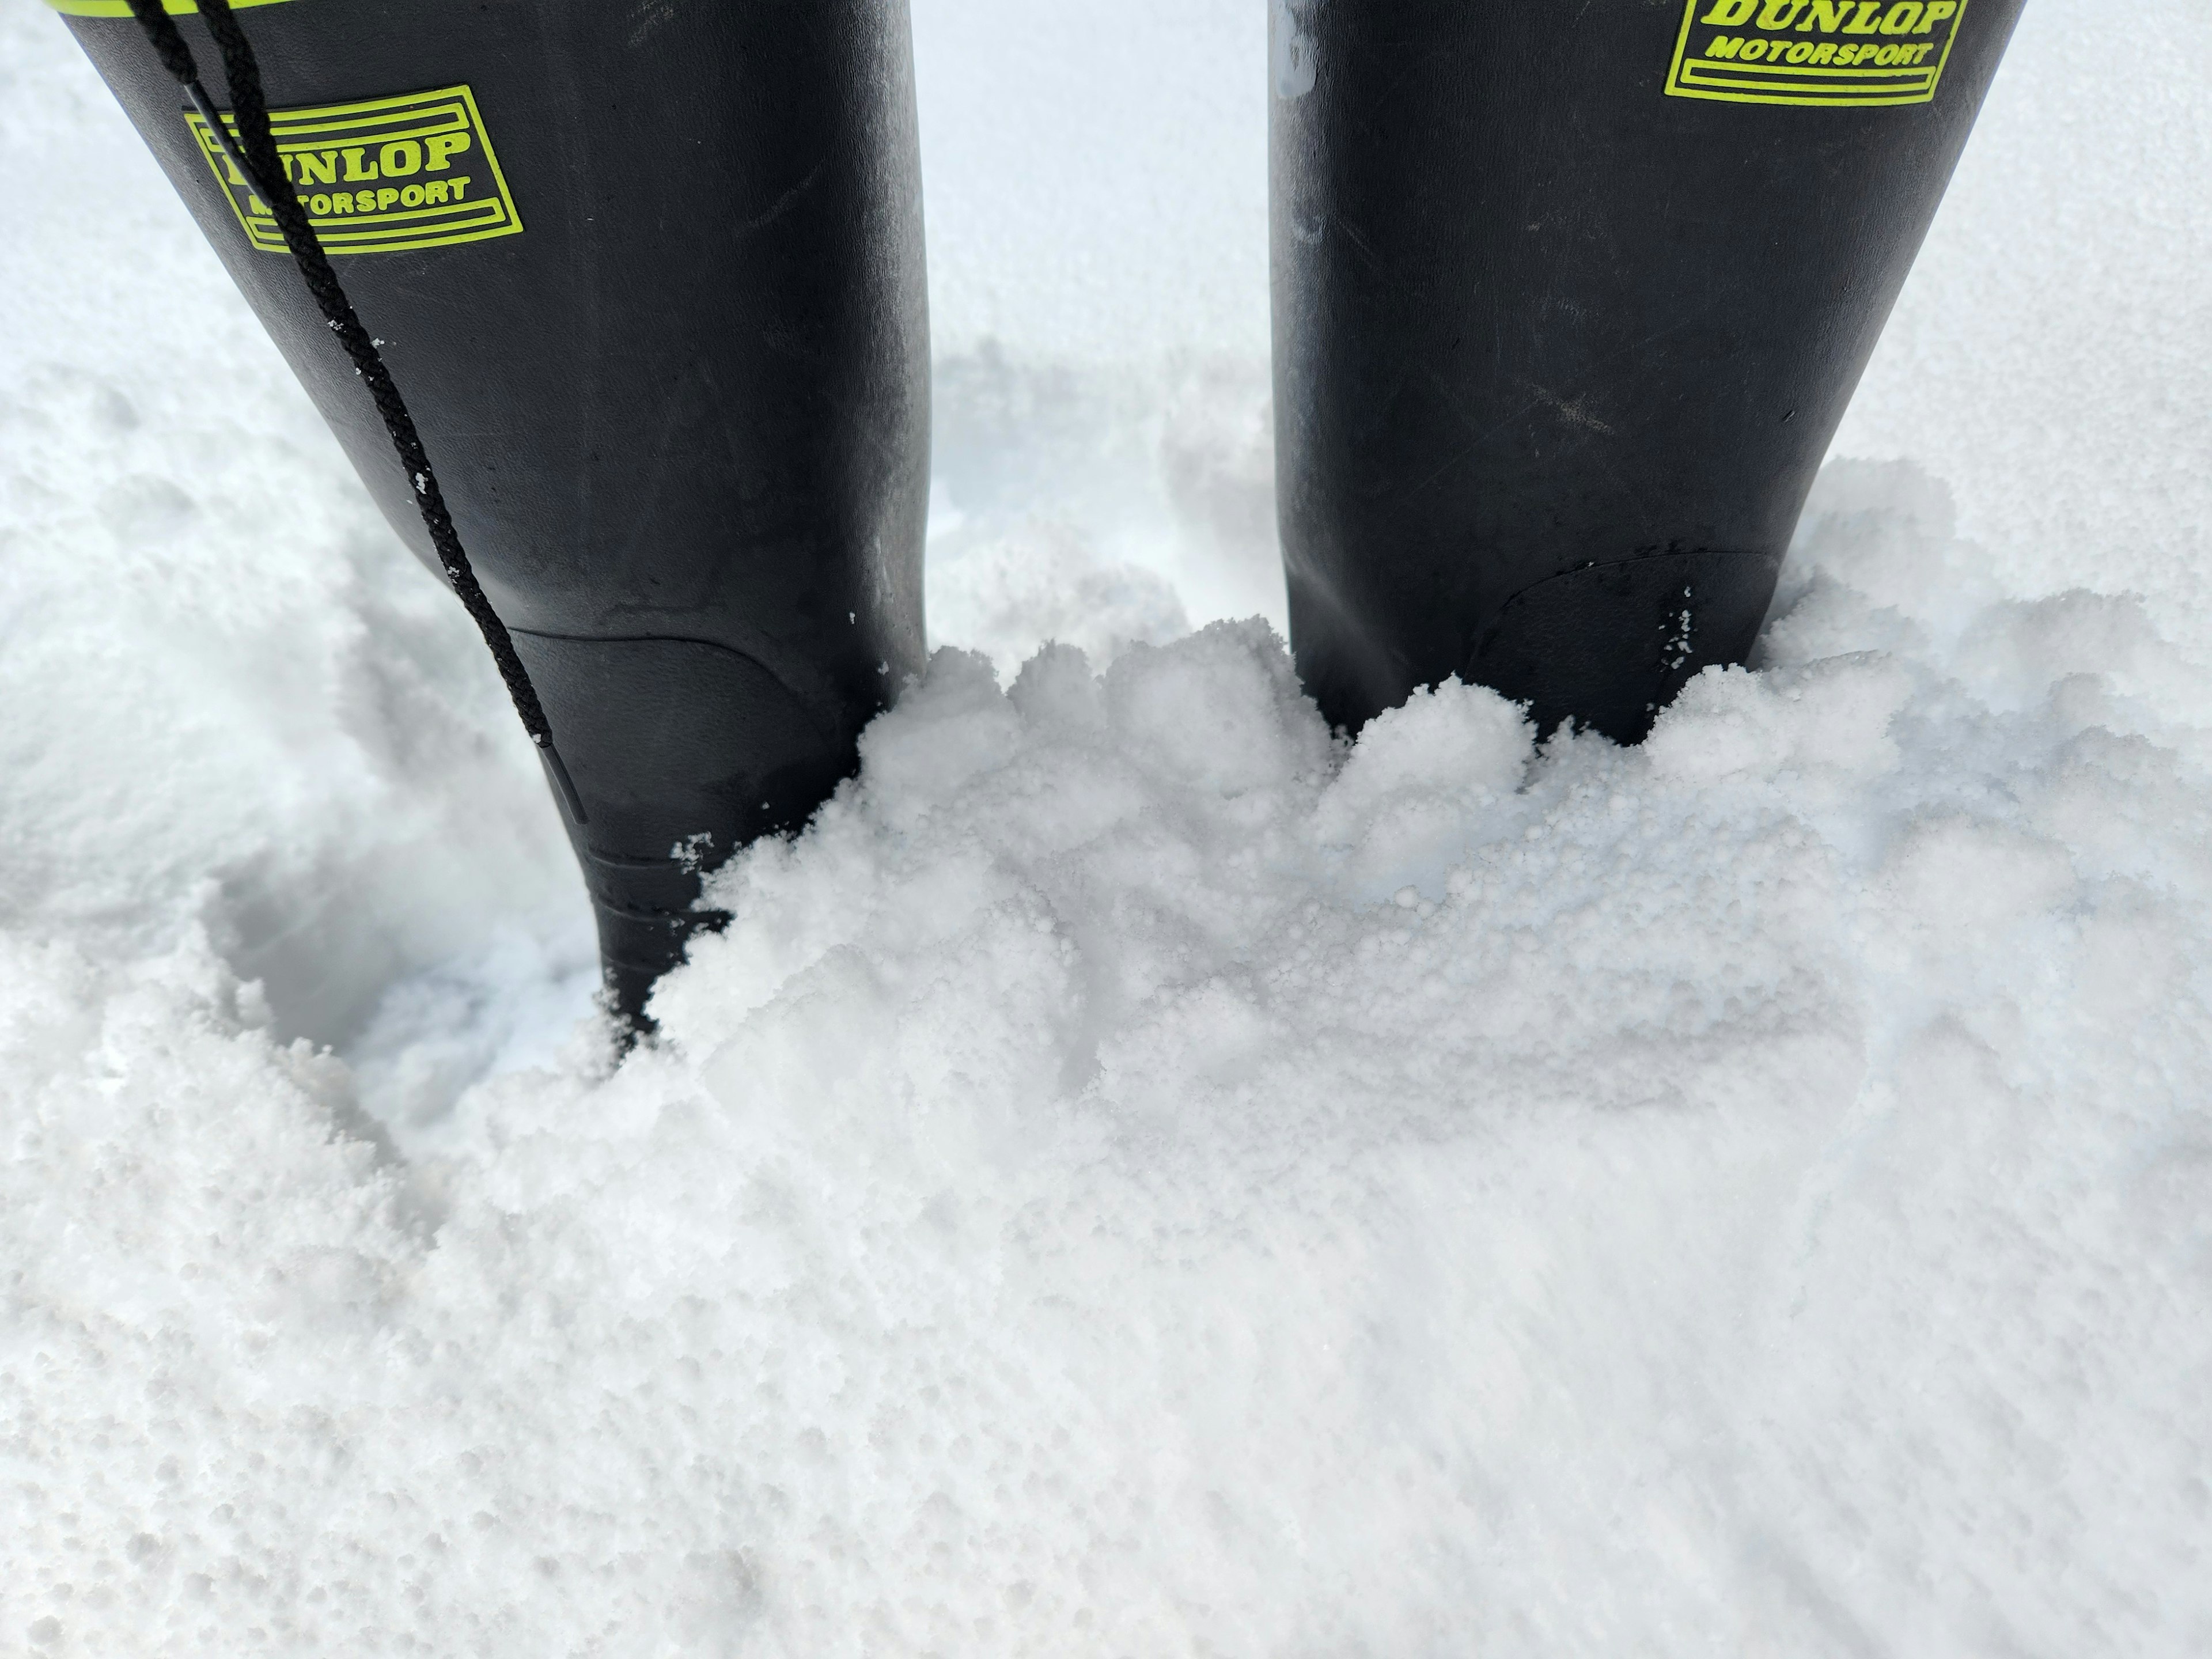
x=1569, y=300
x=651, y=281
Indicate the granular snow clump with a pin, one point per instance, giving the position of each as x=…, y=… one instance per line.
x=1142, y=1176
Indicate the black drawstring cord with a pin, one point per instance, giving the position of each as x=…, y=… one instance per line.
x=253, y=149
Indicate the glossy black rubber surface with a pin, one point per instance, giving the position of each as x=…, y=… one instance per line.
x=681, y=420
x=1534, y=316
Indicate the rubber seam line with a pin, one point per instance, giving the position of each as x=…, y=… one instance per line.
x=253, y=150
x=739, y=652
x=634, y=862
x=684, y=919
x=642, y=639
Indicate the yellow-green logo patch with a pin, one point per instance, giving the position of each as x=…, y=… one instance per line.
x=1848, y=52
x=379, y=176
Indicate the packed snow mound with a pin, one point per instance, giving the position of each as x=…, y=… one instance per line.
x=1142, y=1176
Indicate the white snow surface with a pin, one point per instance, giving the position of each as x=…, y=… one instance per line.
x=1139, y=1177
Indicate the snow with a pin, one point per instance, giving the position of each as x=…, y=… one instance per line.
x=1137, y=1178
